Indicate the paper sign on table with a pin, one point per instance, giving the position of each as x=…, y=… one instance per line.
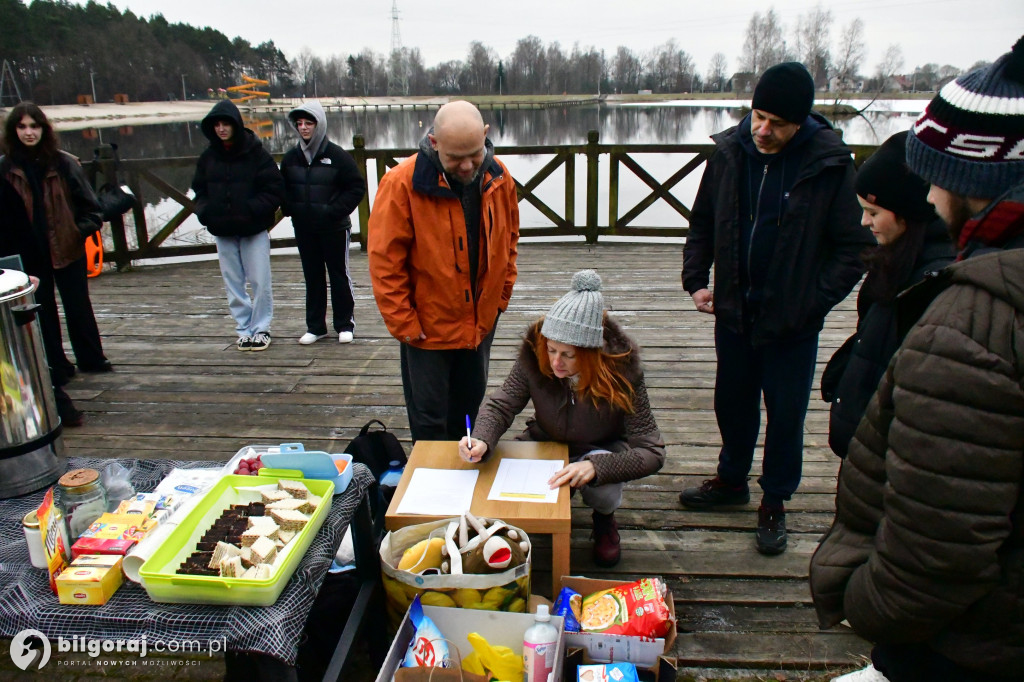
x=439, y=492
x=525, y=480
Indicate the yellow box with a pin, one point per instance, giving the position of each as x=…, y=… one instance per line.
x=90, y=579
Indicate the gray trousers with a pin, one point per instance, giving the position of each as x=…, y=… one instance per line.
x=604, y=499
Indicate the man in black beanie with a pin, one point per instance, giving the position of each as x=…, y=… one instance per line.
x=777, y=215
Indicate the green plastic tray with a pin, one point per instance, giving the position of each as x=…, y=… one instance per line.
x=164, y=585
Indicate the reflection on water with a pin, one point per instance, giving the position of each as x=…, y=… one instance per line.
x=404, y=129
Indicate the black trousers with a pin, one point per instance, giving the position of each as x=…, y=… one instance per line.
x=324, y=253
x=73, y=285
x=443, y=386
x=782, y=372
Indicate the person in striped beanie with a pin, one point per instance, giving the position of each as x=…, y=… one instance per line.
x=969, y=144
x=925, y=557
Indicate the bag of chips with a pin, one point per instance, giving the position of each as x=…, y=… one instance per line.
x=567, y=605
x=638, y=609
x=428, y=647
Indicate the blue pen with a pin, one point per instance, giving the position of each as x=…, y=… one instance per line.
x=469, y=432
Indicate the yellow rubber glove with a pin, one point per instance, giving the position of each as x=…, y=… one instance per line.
x=500, y=662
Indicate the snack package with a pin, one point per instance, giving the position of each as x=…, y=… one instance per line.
x=428, y=647
x=638, y=609
x=55, y=542
x=568, y=605
x=607, y=672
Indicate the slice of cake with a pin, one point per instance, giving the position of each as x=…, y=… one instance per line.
x=231, y=567
x=274, y=495
x=263, y=571
x=296, y=489
x=290, y=503
x=285, y=536
x=289, y=519
x=224, y=550
x=263, y=551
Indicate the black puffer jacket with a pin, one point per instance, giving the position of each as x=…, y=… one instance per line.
x=928, y=540
x=238, y=189
x=816, y=260
x=321, y=194
x=875, y=341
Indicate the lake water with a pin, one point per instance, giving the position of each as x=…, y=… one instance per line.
x=670, y=122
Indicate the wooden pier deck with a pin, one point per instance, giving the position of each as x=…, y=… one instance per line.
x=181, y=390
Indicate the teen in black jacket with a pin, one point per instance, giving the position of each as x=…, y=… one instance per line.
x=323, y=186
x=238, y=189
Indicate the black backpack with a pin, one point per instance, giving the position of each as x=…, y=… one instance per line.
x=376, y=449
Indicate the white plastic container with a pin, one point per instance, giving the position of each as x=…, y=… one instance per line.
x=540, y=645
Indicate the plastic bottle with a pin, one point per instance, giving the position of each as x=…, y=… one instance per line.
x=389, y=480
x=540, y=644
x=393, y=475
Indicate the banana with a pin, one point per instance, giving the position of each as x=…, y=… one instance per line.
x=432, y=598
x=424, y=554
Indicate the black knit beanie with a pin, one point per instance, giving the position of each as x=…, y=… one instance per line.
x=786, y=90
x=885, y=180
x=970, y=138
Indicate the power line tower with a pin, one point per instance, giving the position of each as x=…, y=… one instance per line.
x=8, y=86
x=398, y=73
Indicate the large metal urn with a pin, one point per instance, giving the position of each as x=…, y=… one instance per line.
x=30, y=442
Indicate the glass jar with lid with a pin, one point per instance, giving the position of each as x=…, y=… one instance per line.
x=82, y=499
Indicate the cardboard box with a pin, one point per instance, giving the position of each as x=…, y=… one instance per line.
x=664, y=670
x=600, y=648
x=90, y=579
x=499, y=628
x=112, y=534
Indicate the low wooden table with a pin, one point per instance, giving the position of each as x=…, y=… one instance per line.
x=548, y=519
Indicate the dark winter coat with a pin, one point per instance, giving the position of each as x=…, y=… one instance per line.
x=238, y=189
x=71, y=211
x=815, y=261
x=635, y=446
x=928, y=540
x=321, y=194
x=875, y=341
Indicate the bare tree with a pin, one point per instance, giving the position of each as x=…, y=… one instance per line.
x=418, y=83
x=717, y=71
x=812, y=40
x=850, y=52
x=302, y=66
x=764, y=45
x=559, y=76
x=527, y=67
x=627, y=69
x=481, y=68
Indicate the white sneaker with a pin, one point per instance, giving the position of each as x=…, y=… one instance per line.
x=345, y=337
x=868, y=674
x=310, y=337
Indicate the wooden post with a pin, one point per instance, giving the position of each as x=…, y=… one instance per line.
x=105, y=157
x=613, y=191
x=592, y=157
x=359, y=154
x=570, y=189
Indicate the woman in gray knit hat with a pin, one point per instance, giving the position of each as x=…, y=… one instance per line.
x=583, y=374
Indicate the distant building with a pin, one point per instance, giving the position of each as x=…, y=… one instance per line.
x=741, y=82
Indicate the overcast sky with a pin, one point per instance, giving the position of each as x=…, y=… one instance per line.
x=957, y=32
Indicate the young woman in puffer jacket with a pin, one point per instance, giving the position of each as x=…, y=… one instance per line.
x=583, y=374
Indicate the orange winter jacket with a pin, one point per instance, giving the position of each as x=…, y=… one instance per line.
x=418, y=260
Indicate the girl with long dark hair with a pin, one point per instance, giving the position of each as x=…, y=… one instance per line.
x=62, y=211
x=912, y=243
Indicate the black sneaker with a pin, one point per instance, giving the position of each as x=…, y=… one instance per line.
x=713, y=493
x=771, y=530
x=261, y=341
x=244, y=343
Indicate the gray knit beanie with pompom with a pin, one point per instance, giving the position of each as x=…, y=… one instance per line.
x=578, y=317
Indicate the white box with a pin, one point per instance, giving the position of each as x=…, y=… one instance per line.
x=499, y=628
x=641, y=651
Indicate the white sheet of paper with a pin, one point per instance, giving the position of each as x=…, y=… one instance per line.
x=525, y=480
x=439, y=492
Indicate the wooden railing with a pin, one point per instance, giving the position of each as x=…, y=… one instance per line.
x=620, y=221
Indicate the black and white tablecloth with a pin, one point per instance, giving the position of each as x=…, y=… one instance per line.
x=27, y=602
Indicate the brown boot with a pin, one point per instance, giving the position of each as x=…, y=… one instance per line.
x=606, y=540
